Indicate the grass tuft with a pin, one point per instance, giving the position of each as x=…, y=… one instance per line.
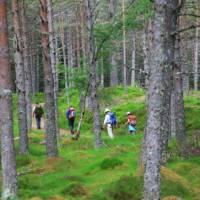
x=110, y=163
x=75, y=190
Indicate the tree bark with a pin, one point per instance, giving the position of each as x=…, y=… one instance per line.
x=114, y=70
x=147, y=46
x=51, y=137
x=196, y=49
x=32, y=63
x=53, y=60
x=78, y=31
x=148, y=39
x=20, y=80
x=102, y=72
x=158, y=117
x=172, y=112
x=8, y=161
x=178, y=89
x=133, y=67
x=27, y=69
x=124, y=45
x=83, y=45
x=184, y=54
x=37, y=70
x=92, y=78
x=62, y=35
x=70, y=56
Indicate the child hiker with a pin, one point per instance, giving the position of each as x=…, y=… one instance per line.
x=131, y=121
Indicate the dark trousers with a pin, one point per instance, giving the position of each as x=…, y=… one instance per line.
x=71, y=125
x=38, y=122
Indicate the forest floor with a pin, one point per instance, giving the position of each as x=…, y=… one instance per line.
x=111, y=173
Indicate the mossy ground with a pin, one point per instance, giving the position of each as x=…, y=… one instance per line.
x=110, y=173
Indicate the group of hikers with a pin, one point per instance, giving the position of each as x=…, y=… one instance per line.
x=110, y=120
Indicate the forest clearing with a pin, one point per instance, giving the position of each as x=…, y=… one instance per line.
x=112, y=172
x=99, y=99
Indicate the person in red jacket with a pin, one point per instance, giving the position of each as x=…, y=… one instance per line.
x=131, y=121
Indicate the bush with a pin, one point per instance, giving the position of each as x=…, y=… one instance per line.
x=110, y=163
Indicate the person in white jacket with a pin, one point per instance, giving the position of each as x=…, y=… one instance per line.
x=107, y=123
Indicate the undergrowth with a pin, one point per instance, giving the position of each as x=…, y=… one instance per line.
x=110, y=173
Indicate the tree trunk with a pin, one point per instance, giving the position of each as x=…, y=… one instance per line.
x=102, y=72
x=147, y=46
x=62, y=36
x=27, y=69
x=70, y=56
x=159, y=90
x=37, y=70
x=57, y=51
x=172, y=111
x=51, y=137
x=114, y=70
x=78, y=31
x=53, y=60
x=8, y=162
x=82, y=21
x=196, y=49
x=178, y=88
x=32, y=62
x=124, y=45
x=20, y=80
x=92, y=78
x=133, y=67
x=184, y=54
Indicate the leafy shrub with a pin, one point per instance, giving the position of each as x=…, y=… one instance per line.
x=37, y=151
x=110, y=163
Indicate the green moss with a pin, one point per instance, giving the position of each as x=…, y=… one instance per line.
x=169, y=188
x=126, y=188
x=110, y=163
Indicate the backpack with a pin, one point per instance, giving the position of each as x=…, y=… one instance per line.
x=38, y=111
x=113, y=119
x=70, y=114
x=132, y=120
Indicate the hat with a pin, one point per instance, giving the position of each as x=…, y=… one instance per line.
x=128, y=113
x=107, y=110
x=71, y=108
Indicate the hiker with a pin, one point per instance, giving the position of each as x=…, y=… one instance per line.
x=131, y=121
x=109, y=121
x=70, y=114
x=38, y=113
